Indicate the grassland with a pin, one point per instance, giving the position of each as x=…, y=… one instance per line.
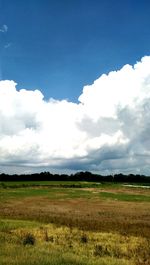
x=70, y=223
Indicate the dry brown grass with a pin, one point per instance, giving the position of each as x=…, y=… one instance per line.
x=96, y=214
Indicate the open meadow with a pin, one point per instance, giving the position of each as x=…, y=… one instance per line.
x=70, y=223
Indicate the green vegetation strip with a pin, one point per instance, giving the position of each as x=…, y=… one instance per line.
x=67, y=184
x=69, y=193
x=125, y=197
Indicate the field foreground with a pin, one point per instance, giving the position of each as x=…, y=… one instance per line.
x=74, y=223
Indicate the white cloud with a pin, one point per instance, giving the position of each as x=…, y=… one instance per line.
x=108, y=130
x=4, y=28
x=6, y=46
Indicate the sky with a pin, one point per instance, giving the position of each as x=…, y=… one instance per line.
x=75, y=86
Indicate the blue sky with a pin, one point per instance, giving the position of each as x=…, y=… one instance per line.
x=58, y=46
x=82, y=69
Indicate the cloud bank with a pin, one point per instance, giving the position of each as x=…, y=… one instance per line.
x=107, y=131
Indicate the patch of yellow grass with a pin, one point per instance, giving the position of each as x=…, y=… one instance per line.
x=94, y=246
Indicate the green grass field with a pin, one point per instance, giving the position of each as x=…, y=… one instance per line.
x=70, y=223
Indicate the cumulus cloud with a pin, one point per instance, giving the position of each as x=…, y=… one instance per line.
x=4, y=28
x=106, y=132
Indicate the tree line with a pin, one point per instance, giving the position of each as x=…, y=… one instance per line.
x=79, y=176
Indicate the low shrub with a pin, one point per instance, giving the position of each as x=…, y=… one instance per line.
x=84, y=238
x=101, y=251
x=28, y=239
